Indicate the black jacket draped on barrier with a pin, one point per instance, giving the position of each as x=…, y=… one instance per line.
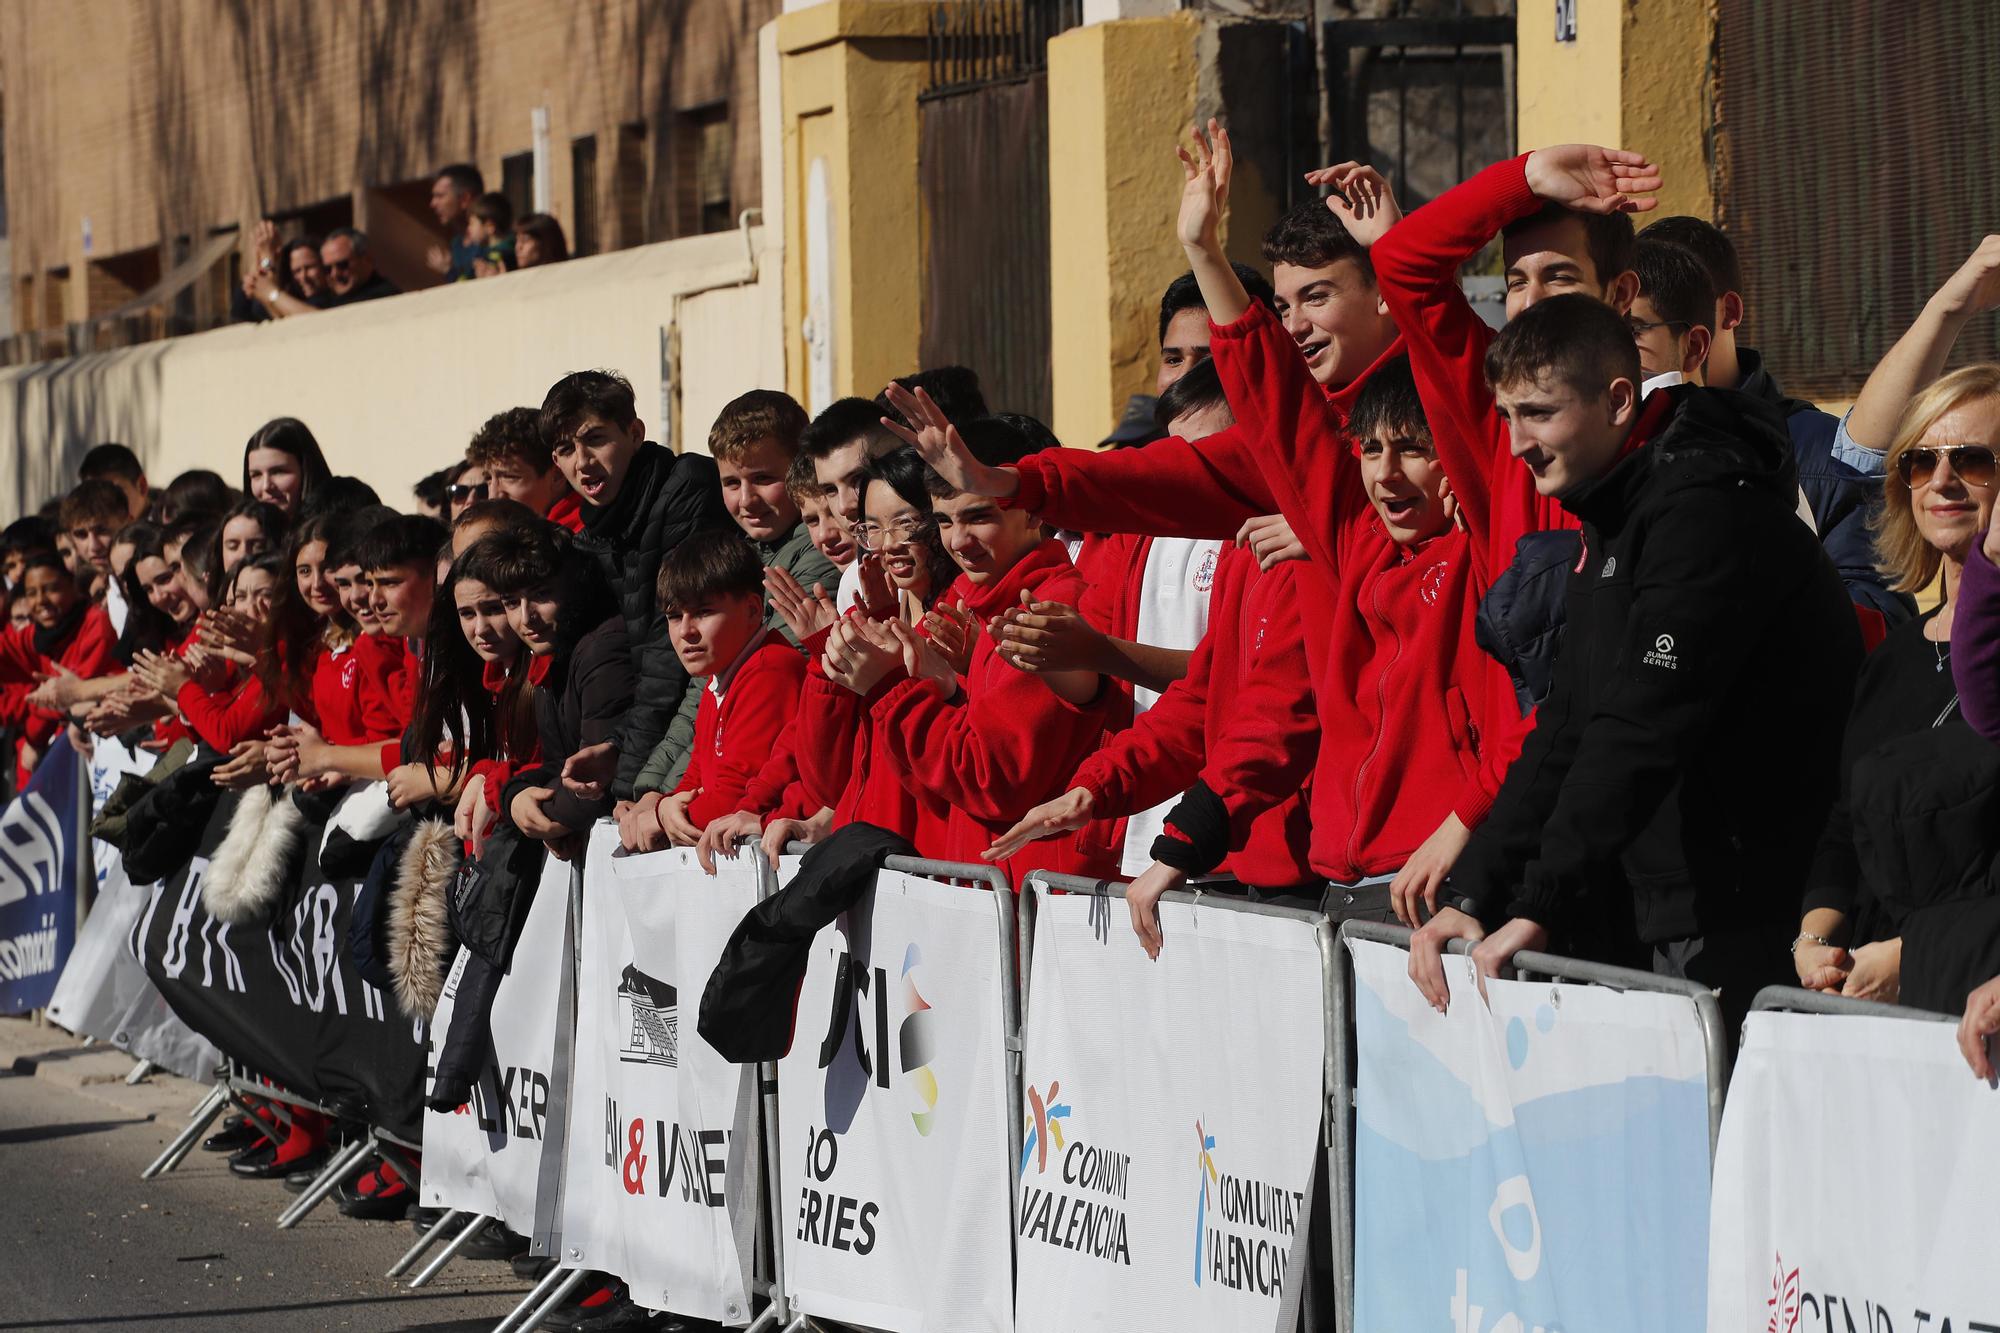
x=1680, y=771
x=489, y=909
x=751, y=1003
x=666, y=499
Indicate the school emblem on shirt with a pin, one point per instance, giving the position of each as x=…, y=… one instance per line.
x=1257, y=642
x=1431, y=585
x=1204, y=574
x=347, y=669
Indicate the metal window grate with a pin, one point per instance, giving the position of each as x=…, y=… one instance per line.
x=1855, y=174
x=975, y=43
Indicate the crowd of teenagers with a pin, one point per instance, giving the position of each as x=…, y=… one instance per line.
x=1578, y=636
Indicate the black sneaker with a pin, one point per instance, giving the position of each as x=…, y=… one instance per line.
x=300, y=1181
x=494, y=1241
x=597, y=1294
x=533, y=1267
x=236, y=1134
x=623, y=1316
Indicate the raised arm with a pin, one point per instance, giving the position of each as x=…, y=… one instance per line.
x=1919, y=355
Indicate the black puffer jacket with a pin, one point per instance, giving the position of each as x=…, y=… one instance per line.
x=582, y=702
x=1520, y=620
x=666, y=499
x=1680, y=769
x=1927, y=831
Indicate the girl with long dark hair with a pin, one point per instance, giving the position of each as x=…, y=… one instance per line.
x=283, y=465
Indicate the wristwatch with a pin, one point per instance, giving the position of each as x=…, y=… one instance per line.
x=264, y=264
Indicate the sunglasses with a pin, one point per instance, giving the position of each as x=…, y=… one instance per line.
x=461, y=492
x=1970, y=463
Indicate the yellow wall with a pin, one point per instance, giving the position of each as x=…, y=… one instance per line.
x=849, y=78
x=1637, y=76
x=1119, y=93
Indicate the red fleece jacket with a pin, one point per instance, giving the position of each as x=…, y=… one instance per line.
x=567, y=513
x=1241, y=720
x=838, y=745
x=777, y=792
x=237, y=712
x=734, y=736
x=87, y=652
x=1007, y=742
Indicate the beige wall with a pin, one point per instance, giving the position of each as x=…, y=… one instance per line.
x=395, y=388
x=1637, y=76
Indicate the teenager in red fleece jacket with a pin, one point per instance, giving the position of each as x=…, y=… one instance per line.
x=712, y=591
x=519, y=467
x=63, y=631
x=990, y=741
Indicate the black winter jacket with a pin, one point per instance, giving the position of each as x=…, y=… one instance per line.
x=666, y=499
x=1927, y=833
x=1682, y=765
x=582, y=702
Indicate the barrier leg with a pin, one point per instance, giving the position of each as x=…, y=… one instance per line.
x=451, y=1250
x=424, y=1241
x=345, y=1164
x=531, y=1303
x=779, y=1310
x=1340, y=1124
x=204, y=1115
x=566, y=1280
x=139, y=1073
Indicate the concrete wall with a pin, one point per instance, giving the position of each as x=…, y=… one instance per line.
x=395, y=388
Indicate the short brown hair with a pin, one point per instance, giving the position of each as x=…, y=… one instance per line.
x=515, y=433
x=761, y=414
x=802, y=481
x=91, y=500
x=1608, y=237
x=716, y=563
x=1578, y=339
x=1901, y=552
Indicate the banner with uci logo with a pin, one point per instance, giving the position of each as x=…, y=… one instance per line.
x=38, y=881
x=1537, y=1159
x=661, y=1184
x=1855, y=1181
x=1172, y=1117
x=892, y=1145
x=486, y=1156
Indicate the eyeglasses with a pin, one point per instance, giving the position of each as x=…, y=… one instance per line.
x=1640, y=328
x=463, y=492
x=872, y=536
x=340, y=265
x=1970, y=463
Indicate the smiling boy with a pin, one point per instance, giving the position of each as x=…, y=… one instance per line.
x=755, y=441
x=640, y=501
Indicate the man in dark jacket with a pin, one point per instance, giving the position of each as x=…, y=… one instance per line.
x=639, y=502
x=1664, y=810
x=1843, y=498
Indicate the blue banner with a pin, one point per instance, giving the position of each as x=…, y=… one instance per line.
x=1534, y=1158
x=38, y=852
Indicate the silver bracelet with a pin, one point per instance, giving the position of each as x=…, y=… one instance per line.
x=1805, y=938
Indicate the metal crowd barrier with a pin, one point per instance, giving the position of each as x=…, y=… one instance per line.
x=1334, y=1014
x=1790, y=999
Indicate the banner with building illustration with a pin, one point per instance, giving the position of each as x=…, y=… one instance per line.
x=1536, y=1157
x=662, y=1185
x=1172, y=1120
x=892, y=1146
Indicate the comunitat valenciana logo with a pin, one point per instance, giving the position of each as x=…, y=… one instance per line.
x=1797, y=1308
x=1044, y=1127
x=1784, y=1299
x=1243, y=1228
x=1076, y=1198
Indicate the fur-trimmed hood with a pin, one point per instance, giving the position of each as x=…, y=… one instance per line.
x=420, y=939
x=256, y=860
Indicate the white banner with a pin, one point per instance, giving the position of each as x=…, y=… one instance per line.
x=662, y=1185
x=1537, y=1159
x=485, y=1157
x=1856, y=1181
x=893, y=1116
x=104, y=991
x=1172, y=1119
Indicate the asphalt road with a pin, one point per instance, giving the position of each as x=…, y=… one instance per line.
x=91, y=1246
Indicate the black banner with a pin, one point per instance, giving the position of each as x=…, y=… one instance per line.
x=283, y=998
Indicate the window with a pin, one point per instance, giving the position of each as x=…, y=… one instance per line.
x=702, y=162
x=583, y=194
x=517, y=182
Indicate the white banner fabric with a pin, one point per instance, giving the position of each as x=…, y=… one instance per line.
x=1537, y=1159
x=1172, y=1118
x=1855, y=1181
x=893, y=1116
x=662, y=1185
x=485, y=1156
